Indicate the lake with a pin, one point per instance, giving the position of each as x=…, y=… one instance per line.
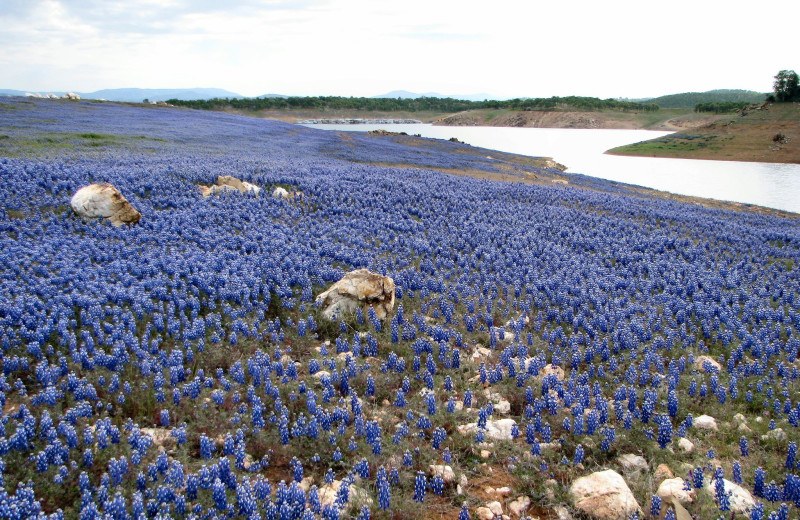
x=765, y=184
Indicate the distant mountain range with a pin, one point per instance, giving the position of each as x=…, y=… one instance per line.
x=137, y=95
x=405, y=94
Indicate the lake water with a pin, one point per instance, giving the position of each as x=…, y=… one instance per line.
x=765, y=184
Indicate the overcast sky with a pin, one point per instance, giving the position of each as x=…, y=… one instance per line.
x=367, y=47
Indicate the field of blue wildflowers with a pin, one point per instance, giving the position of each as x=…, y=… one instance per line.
x=180, y=368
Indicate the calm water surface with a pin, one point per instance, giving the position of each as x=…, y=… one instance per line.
x=765, y=184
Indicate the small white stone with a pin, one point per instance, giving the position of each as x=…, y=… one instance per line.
x=495, y=507
x=686, y=445
x=484, y=513
x=705, y=422
x=631, y=462
x=518, y=506
x=673, y=488
x=446, y=472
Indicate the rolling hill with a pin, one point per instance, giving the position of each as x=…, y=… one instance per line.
x=690, y=99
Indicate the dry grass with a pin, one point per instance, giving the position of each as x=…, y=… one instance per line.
x=748, y=137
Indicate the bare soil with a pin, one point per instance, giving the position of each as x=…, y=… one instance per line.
x=667, y=119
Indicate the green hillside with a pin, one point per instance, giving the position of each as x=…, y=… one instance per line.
x=690, y=99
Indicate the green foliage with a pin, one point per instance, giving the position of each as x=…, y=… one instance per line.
x=691, y=99
x=787, y=86
x=721, y=108
x=414, y=105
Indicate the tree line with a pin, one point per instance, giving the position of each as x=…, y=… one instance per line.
x=422, y=104
x=721, y=108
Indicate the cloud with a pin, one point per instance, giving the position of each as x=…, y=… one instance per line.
x=360, y=47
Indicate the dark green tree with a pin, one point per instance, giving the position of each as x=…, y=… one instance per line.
x=786, y=86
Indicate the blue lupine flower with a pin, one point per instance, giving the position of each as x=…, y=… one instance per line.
x=578, y=454
x=737, y=472
x=697, y=478
x=790, y=456
x=655, y=506
x=420, y=484
x=758, y=482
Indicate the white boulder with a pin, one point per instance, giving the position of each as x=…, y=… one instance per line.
x=104, y=201
x=358, y=289
x=280, y=193
x=604, y=495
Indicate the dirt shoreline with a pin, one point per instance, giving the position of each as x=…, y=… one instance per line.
x=668, y=119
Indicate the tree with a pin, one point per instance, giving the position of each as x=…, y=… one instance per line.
x=786, y=86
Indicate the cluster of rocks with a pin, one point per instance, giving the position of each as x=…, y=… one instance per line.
x=228, y=184
x=68, y=95
x=102, y=200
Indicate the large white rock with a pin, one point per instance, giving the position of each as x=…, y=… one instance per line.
x=499, y=430
x=740, y=499
x=604, y=495
x=358, y=289
x=104, y=201
x=672, y=488
x=705, y=422
x=280, y=193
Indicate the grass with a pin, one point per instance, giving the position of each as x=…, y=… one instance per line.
x=674, y=145
x=748, y=136
x=48, y=143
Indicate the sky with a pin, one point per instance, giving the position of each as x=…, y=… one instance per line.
x=519, y=48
